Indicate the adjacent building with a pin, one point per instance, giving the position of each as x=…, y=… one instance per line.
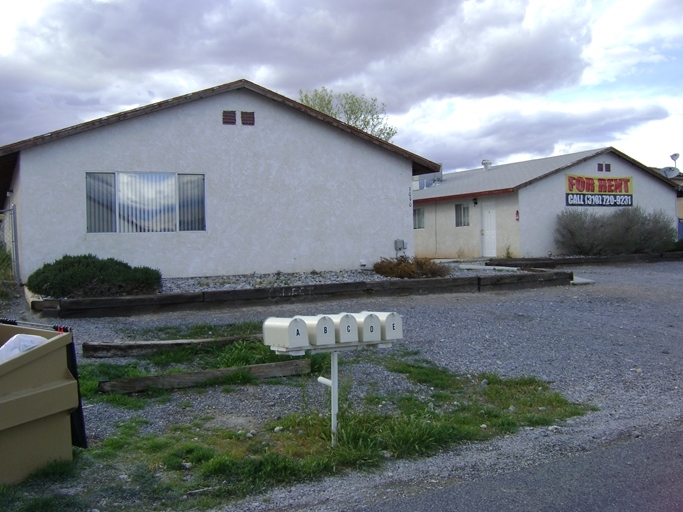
x=512, y=209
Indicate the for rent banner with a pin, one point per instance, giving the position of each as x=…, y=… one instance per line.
x=592, y=191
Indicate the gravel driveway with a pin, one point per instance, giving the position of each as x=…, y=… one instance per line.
x=617, y=344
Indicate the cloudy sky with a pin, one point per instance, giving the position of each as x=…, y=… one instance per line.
x=462, y=80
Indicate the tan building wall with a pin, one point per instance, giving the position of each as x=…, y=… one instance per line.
x=441, y=238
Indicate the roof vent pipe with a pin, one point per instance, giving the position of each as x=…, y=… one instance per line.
x=487, y=164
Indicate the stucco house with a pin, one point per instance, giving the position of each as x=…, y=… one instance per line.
x=512, y=209
x=229, y=180
x=679, y=209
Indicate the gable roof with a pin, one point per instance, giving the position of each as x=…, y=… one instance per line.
x=507, y=178
x=9, y=152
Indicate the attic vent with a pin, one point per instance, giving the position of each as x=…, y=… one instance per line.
x=248, y=118
x=229, y=117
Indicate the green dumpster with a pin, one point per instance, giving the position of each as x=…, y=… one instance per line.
x=38, y=394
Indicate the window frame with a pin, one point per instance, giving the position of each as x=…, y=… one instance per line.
x=157, y=206
x=462, y=215
x=418, y=218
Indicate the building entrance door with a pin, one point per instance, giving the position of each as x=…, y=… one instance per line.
x=488, y=232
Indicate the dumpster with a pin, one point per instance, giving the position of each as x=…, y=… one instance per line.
x=38, y=396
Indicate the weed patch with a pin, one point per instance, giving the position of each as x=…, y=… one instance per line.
x=405, y=267
x=194, y=331
x=196, y=467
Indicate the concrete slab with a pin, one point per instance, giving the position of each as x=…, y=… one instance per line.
x=581, y=280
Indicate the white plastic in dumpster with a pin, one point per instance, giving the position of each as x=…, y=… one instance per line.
x=320, y=329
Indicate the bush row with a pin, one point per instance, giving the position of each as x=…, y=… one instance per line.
x=624, y=231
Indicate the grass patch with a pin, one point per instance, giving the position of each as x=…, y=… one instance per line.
x=238, y=353
x=424, y=372
x=194, y=331
x=6, y=273
x=184, y=359
x=196, y=467
x=162, y=471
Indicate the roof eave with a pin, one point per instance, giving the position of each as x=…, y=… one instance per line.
x=466, y=195
x=420, y=165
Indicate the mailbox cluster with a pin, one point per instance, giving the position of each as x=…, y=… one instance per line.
x=322, y=333
x=332, y=333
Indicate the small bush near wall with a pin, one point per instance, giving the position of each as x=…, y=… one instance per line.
x=676, y=247
x=410, y=268
x=624, y=231
x=89, y=276
x=6, y=273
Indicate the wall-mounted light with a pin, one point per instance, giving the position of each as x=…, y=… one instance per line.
x=517, y=215
x=474, y=201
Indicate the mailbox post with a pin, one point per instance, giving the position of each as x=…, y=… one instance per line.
x=332, y=333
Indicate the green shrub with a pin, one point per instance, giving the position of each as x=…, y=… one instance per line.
x=676, y=247
x=405, y=267
x=6, y=273
x=624, y=231
x=89, y=276
x=578, y=232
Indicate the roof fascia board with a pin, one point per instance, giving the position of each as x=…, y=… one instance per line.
x=464, y=196
x=420, y=164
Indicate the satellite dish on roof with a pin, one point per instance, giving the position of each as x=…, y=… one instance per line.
x=669, y=172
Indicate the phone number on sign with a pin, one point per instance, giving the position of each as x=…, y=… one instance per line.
x=599, y=200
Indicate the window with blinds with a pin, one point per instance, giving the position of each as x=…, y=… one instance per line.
x=121, y=202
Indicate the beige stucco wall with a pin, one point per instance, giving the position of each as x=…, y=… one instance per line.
x=290, y=193
x=679, y=201
x=440, y=238
x=507, y=227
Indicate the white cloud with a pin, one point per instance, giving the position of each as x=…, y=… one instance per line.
x=462, y=79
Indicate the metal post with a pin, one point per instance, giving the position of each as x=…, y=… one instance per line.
x=335, y=396
x=334, y=386
x=15, y=245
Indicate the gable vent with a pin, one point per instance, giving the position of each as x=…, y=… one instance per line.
x=229, y=117
x=248, y=118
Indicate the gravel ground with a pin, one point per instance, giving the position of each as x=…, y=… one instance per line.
x=615, y=344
